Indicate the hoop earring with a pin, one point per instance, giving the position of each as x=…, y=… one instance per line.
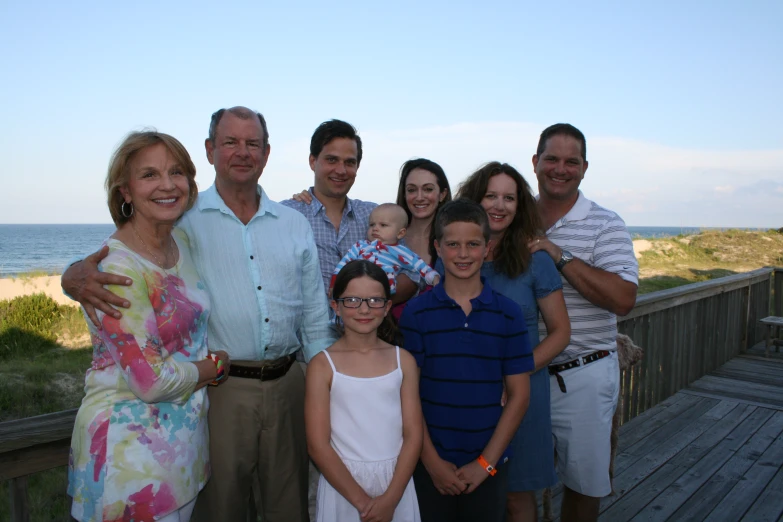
x=125, y=213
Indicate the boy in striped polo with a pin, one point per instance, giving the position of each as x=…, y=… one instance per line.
x=468, y=341
x=594, y=253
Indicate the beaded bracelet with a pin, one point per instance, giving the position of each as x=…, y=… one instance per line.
x=221, y=373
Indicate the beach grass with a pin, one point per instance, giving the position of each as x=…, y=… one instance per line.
x=46, y=497
x=44, y=353
x=681, y=260
x=33, y=274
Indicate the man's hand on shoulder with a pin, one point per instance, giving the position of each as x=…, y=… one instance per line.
x=85, y=284
x=303, y=197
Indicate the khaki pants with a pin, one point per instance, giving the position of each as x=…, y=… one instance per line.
x=256, y=431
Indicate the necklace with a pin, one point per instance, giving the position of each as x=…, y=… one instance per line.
x=157, y=260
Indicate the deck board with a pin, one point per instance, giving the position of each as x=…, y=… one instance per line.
x=713, y=451
x=695, y=475
x=662, y=492
x=641, y=427
x=641, y=468
x=734, y=389
x=769, y=505
x=721, y=482
x=754, y=481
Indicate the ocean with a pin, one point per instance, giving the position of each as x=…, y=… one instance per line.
x=46, y=248
x=654, y=232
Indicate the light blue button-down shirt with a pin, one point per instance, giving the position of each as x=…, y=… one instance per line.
x=263, y=278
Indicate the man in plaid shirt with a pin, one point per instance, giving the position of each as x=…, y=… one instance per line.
x=338, y=222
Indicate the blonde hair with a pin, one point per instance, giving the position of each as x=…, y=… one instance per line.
x=119, y=168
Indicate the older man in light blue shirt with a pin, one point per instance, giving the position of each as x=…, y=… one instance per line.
x=260, y=264
x=263, y=277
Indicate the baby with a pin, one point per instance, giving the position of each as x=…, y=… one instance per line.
x=387, y=227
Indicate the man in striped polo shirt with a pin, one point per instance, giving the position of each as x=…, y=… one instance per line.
x=594, y=253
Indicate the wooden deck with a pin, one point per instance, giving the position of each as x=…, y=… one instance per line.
x=712, y=451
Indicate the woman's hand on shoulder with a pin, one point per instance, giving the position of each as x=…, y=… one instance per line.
x=543, y=243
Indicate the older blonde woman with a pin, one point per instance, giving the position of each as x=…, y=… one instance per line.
x=140, y=447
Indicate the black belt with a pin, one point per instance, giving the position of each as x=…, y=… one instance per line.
x=555, y=369
x=268, y=372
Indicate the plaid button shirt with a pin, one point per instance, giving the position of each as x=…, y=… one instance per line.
x=334, y=244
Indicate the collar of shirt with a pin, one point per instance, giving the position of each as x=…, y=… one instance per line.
x=485, y=297
x=210, y=199
x=317, y=206
x=577, y=213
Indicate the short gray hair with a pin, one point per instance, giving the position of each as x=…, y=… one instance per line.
x=240, y=112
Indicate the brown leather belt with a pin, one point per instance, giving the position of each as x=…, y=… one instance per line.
x=268, y=372
x=555, y=369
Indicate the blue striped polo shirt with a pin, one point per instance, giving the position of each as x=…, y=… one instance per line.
x=463, y=360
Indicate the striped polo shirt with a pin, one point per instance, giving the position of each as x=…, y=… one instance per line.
x=463, y=360
x=598, y=237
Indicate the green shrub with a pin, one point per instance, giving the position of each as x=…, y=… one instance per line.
x=30, y=323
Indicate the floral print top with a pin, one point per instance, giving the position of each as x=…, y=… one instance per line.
x=140, y=445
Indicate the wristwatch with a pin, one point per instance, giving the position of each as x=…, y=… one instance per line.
x=565, y=258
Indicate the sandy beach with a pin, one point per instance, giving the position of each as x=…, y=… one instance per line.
x=50, y=285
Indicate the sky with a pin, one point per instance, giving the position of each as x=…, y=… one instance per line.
x=681, y=102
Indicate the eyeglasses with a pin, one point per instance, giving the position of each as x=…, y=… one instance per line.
x=356, y=302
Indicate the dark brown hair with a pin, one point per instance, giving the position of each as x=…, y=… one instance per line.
x=511, y=254
x=460, y=210
x=443, y=184
x=561, y=129
x=387, y=331
x=331, y=130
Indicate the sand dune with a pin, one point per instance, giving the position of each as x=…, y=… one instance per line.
x=639, y=246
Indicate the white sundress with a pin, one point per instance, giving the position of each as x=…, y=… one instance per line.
x=366, y=418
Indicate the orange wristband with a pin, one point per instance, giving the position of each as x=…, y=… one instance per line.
x=487, y=466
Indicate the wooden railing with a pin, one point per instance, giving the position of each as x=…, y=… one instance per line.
x=686, y=332
x=31, y=445
x=691, y=330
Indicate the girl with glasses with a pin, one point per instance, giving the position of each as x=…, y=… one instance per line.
x=362, y=410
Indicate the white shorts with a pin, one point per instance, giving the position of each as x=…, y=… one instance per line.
x=582, y=424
